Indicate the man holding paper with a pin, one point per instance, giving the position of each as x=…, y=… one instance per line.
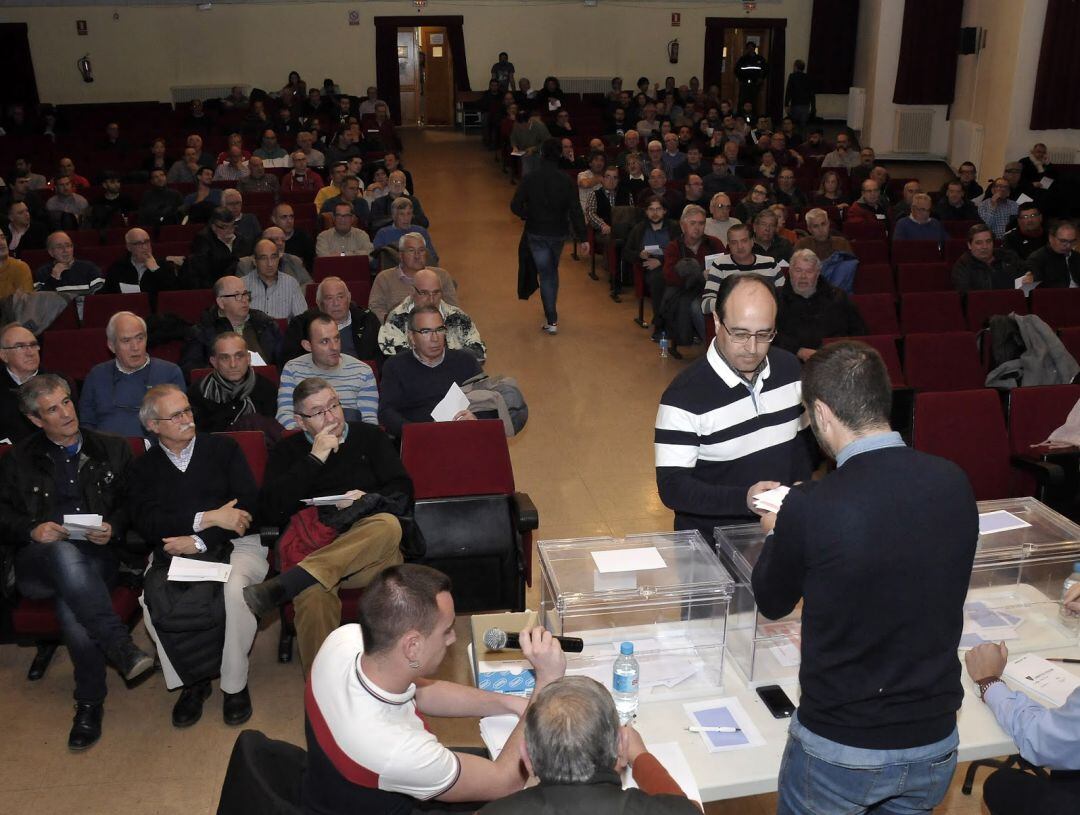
x=192, y=496
x=880, y=553
x=57, y=475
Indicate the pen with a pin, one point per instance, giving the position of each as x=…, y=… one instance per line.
x=1063, y=659
x=714, y=729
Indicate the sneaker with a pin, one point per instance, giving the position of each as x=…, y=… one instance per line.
x=550, y=328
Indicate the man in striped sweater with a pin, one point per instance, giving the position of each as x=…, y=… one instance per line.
x=740, y=259
x=352, y=379
x=732, y=424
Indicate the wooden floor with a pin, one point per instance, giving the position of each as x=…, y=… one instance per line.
x=585, y=458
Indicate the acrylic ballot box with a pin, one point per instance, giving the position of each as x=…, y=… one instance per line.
x=1025, y=553
x=765, y=651
x=665, y=592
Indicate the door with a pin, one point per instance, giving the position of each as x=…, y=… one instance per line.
x=409, y=76
x=437, y=77
x=735, y=40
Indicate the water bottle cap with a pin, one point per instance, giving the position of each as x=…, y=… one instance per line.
x=626, y=648
x=1076, y=567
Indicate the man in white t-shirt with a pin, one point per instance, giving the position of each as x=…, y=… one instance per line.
x=368, y=747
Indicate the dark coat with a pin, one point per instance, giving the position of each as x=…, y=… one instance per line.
x=364, y=329
x=599, y=795
x=165, y=278
x=211, y=259
x=200, y=338
x=804, y=322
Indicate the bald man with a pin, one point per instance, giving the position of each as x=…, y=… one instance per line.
x=63, y=272
x=140, y=270
x=273, y=293
x=290, y=264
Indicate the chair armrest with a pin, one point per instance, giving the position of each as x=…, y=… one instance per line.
x=526, y=516
x=1048, y=473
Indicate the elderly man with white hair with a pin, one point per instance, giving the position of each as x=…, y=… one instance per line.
x=357, y=325
x=391, y=286
x=812, y=309
x=63, y=272
x=247, y=225
x=301, y=178
x=289, y=264
x=113, y=391
x=401, y=210
x=820, y=240
x=380, y=208
x=235, y=165
x=140, y=270
x=257, y=179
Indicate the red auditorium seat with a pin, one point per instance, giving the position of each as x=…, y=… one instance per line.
x=878, y=312
x=942, y=362
x=911, y=277
x=98, y=308
x=871, y=250
x=982, y=305
x=875, y=278
x=885, y=344
x=74, y=351
x=954, y=248
x=354, y=267
x=253, y=445
x=1070, y=338
x=1060, y=308
x=915, y=252
x=188, y=304
x=931, y=311
x=1035, y=412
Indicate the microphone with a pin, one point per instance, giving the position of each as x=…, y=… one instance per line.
x=495, y=639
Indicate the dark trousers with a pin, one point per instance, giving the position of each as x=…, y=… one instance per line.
x=1014, y=792
x=77, y=576
x=654, y=279
x=546, y=251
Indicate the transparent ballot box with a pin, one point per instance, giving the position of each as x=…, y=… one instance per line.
x=665, y=592
x=765, y=651
x=1026, y=552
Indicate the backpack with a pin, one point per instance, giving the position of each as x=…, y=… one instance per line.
x=499, y=396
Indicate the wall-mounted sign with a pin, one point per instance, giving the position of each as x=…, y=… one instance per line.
x=80, y=27
x=354, y=17
x=676, y=19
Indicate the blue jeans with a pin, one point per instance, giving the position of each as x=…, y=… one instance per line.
x=77, y=575
x=825, y=778
x=546, y=251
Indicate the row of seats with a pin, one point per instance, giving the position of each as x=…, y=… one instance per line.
x=877, y=250
x=922, y=311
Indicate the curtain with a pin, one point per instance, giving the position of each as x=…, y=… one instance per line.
x=834, y=28
x=774, y=94
x=1056, y=103
x=386, y=61
x=17, y=67
x=926, y=73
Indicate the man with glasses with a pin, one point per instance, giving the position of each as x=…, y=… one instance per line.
x=732, y=424
x=352, y=379
x=391, y=286
x=966, y=173
x=1028, y=235
x=999, y=209
x=788, y=192
x=401, y=209
x=461, y=333
x=113, y=391
x=350, y=194
x=720, y=220
x=192, y=495
x=1056, y=265
x=332, y=456
x=843, y=155
x=277, y=295
x=380, y=209
x=215, y=251
x=414, y=383
x=358, y=326
x=67, y=470
x=868, y=208
x=21, y=354
x=918, y=225
x=343, y=239
x=231, y=312
x=754, y=202
x=140, y=270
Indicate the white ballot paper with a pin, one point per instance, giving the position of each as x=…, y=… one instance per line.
x=999, y=521
x=78, y=525
x=1035, y=674
x=451, y=405
x=257, y=360
x=770, y=500
x=189, y=570
x=129, y=288
x=324, y=500
x=1026, y=287
x=628, y=560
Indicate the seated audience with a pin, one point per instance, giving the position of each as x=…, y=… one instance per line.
x=755, y=201
x=413, y=384
x=63, y=469
x=66, y=169
x=110, y=202
x=998, y=209
x=902, y=207
x=273, y=293
x=350, y=194
x=739, y=260
x=646, y=244
x=967, y=174
x=694, y=193
x=352, y=379
x=21, y=231
x=113, y=391
x=301, y=178
x=576, y=748
x=672, y=157
x=233, y=140
x=257, y=179
x=919, y=225
x=160, y=203
x=868, y=208
x=843, y=155
x=392, y=163
x=231, y=311
x=358, y=326
x=830, y=193
x=199, y=206
x=862, y=171
x=192, y=495
x=338, y=172
x=140, y=270
x=215, y=252
x=297, y=241
x=767, y=241
x=683, y=279
x=234, y=396
x=290, y=265
x=694, y=164
x=461, y=333
x=401, y=211
x=63, y=273
x=954, y=205
x=391, y=286
x=720, y=220
x=1028, y=234
x=812, y=309
x=185, y=170
x=14, y=273
x=235, y=166
x=247, y=225
x=66, y=207
x=820, y=240
x=344, y=238
x=333, y=456
x=673, y=199
x=365, y=711
x=984, y=267
x=20, y=352
x=1056, y=265
x=1034, y=167
x=787, y=192
x=270, y=151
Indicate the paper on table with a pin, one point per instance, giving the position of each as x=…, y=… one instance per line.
x=256, y=359
x=786, y=654
x=628, y=560
x=495, y=732
x=189, y=570
x=451, y=405
x=324, y=500
x=1035, y=674
x=726, y=712
x=78, y=525
x=999, y=521
x=671, y=756
x=130, y=288
x=771, y=500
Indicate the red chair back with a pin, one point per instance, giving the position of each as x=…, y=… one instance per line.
x=878, y=312
x=871, y=250
x=942, y=362
x=923, y=277
x=1070, y=338
x=875, y=278
x=188, y=304
x=984, y=304
x=884, y=344
x=916, y=252
x=931, y=311
x=99, y=308
x=433, y=453
x=1036, y=412
x=350, y=267
x=74, y=351
x=253, y=445
x=954, y=248
x=1060, y=308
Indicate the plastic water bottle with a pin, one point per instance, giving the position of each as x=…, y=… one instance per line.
x=1070, y=619
x=625, y=682
x=663, y=347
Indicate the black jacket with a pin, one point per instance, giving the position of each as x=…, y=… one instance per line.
x=1023, y=245
x=211, y=259
x=27, y=485
x=301, y=245
x=804, y=322
x=160, y=206
x=1053, y=270
x=600, y=795
x=379, y=215
x=214, y=417
x=34, y=238
x=603, y=206
x=364, y=330
x=970, y=273
x=165, y=278
x=200, y=338
x=547, y=201
x=944, y=211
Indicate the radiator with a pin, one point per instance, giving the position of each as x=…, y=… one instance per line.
x=181, y=94
x=1064, y=155
x=912, y=130
x=585, y=84
x=856, y=108
x=967, y=142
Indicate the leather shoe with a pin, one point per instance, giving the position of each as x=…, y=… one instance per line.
x=237, y=707
x=188, y=708
x=131, y=661
x=675, y=352
x=615, y=296
x=265, y=596
x=86, y=726
x=593, y=276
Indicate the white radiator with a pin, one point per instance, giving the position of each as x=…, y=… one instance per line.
x=1064, y=155
x=181, y=94
x=585, y=84
x=856, y=108
x=912, y=131
x=967, y=142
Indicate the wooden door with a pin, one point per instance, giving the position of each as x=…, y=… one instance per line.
x=409, y=76
x=437, y=77
x=734, y=45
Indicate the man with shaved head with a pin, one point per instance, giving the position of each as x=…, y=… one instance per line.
x=140, y=270
x=461, y=333
x=290, y=264
x=275, y=294
x=63, y=272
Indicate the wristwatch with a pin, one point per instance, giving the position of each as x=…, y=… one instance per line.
x=199, y=545
x=984, y=685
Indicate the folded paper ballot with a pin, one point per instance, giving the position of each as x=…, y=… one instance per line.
x=771, y=500
x=78, y=525
x=451, y=405
x=324, y=500
x=188, y=570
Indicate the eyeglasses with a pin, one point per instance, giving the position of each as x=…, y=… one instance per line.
x=177, y=417
x=1029, y=216
x=240, y=295
x=333, y=406
x=21, y=346
x=424, y=332
x=743, y=337
x=427, y=292
x=140, y=243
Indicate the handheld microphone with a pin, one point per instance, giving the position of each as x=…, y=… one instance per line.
x=495, y=639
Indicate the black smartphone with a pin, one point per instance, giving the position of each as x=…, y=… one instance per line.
x=778, y=703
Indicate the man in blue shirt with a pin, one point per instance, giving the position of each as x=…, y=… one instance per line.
x=918, y=225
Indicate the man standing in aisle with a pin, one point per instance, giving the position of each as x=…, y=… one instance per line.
x=876, y=725
x=546, y=200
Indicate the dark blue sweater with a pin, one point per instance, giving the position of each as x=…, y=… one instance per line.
x=410, y=390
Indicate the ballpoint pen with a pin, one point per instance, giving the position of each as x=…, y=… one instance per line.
x=1064, y=659
x=696, y=729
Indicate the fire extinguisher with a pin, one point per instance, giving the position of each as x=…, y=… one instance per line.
x=673, y=52
x=85, y=69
